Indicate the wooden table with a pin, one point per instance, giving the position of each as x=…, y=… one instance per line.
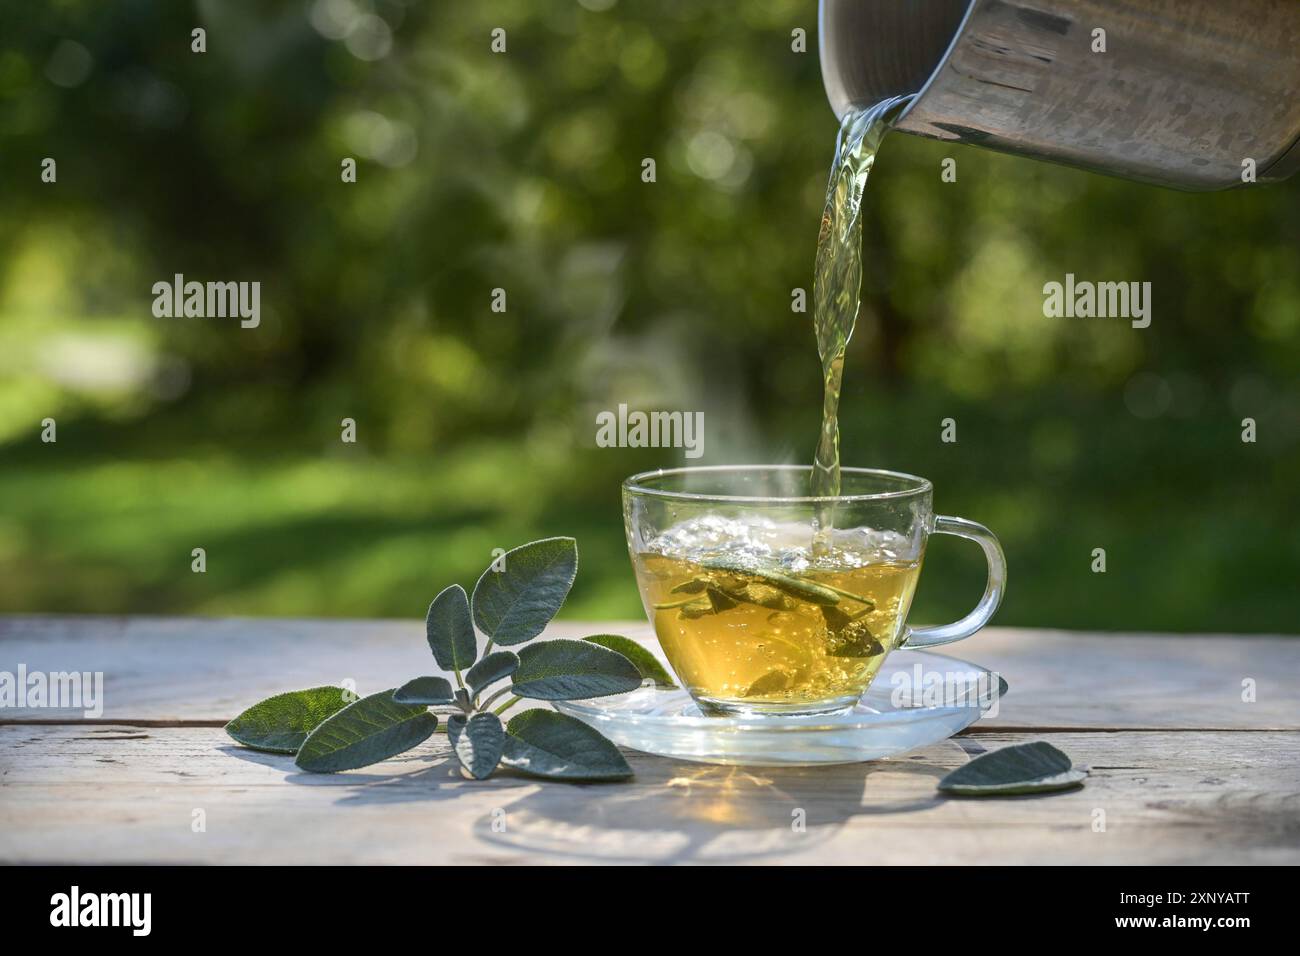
x=1183, y=769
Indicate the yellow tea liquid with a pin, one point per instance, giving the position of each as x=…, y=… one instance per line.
x=745, y=637
x=837, y=285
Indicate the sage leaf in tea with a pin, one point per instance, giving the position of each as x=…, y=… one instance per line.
x=367, y=731
x=1035, y=767
x=425, y=691
x=492, y=668
x=450, y=630
x=514, y=605
x=719, y=599
x=773, y=682
x=281, y=723
x=694, y=586
x=478, y=741
x=853, y=640
x=646, y=663
x=546, y=744
x=572, y=670
x=795, y=587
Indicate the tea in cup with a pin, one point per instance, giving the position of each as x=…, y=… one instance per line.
x=757, y=613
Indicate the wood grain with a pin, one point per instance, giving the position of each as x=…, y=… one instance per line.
x=172, y=669
x=1183, y=769
x=123, y=794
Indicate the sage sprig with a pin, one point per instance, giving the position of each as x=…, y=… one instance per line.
x=328, y=729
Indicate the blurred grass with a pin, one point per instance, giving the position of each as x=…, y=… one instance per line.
x=347, y=533
x=520, y=171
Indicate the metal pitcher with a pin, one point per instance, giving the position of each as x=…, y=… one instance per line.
x=1187, y=93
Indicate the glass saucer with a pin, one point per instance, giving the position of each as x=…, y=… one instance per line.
x=883, y=723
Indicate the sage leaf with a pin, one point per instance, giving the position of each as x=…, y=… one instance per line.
x=1036, y=767
x=647, y=664
x=807, y=590
x=853, y=640
x=492, y=668
x=450, y=631
x=515, y=605
x=691, y=587
x=367, y=731
x=765, y=595
x=281, y=723
x=478, y=741
x=546, y=744
x=719, y=599
x=572, y=670
x=424, y=691
x=773, y=682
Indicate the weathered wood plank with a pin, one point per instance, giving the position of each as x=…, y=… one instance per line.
x=210, y=669
x=75, y=794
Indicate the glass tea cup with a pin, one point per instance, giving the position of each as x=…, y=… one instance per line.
x=753, y=616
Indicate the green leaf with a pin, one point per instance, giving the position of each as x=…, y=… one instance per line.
x=281, y=723
x=719, y=599
x=805, y=590
x=773, y=682
x=514, y=605
x=478, y=741
x=365, y=732
x=492, y=668
x=647, y=664
x=573, y=670
x=1036, y=767
x=424, y=691
x=450, y=630
x=853, y=640
x=547, y=744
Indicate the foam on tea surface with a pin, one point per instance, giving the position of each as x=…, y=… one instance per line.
x=751, y=616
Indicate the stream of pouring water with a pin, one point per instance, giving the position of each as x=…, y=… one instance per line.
x=837, y=287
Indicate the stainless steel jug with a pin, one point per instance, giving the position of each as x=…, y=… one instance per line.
x=1186, y=92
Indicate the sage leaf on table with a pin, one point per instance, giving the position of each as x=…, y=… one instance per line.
x=281, y=723
x=515, y=604
x=514, y=600
x=425, y=691
x=478, y=741
x=1035, y=767
x=493, y=667
x=365, y=732
x=547, y=744
x=641, y=659
x=450, y=631
x=572, y=670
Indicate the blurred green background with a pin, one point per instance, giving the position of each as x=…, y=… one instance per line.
x=476, y=429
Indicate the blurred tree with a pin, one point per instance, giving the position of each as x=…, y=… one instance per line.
x=520, y=171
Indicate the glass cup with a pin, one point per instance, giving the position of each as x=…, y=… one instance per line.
x=768, y=601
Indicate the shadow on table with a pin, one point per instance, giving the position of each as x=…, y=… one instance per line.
x=671, y=812
x=678, y=812
x=410, y=777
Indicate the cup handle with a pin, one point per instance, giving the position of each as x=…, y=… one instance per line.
x=997, y=582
